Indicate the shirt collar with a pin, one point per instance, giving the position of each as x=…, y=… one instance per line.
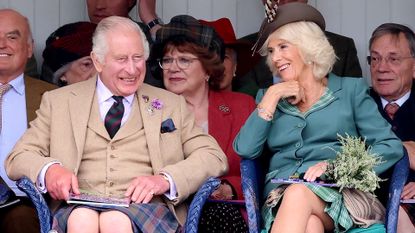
x=399, y=101
x=105, y=94
x=18, y=84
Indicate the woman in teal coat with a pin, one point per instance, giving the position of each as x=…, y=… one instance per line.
x=300, y=119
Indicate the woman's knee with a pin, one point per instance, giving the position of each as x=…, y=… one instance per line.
x=298, y=192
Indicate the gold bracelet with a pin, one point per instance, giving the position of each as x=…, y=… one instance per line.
x=264, y=114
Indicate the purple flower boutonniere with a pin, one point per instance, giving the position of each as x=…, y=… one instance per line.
x=155, y=104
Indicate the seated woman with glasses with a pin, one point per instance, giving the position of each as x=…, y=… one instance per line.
x=189, y=57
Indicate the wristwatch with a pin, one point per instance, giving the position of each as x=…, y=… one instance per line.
x=154, y=22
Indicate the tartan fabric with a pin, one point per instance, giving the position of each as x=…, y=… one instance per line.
x=186, y=25
x=335, y=207
x=410, y=210
x=114, y=116
x=150, y=217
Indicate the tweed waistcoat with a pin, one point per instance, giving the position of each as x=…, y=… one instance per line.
x=109, y=165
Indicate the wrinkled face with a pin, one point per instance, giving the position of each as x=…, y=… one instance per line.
x=230, y=68
x=15, y=47
x=185, y=81
x=79, y=70
x=285, y=59
x=392, y=76
x=99, y=9
x=123, y=68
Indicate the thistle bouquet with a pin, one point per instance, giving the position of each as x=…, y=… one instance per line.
x=353, y=165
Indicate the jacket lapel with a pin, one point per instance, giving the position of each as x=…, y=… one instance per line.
x=152, y=124
x=80, y=103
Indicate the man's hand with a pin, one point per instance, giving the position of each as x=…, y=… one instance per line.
x=408, y=191
x=410, y=147
x=143, y=188
x=59, y=182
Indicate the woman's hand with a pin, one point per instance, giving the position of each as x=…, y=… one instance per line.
x=315, y=171
x=291, y=90
x=224, y=192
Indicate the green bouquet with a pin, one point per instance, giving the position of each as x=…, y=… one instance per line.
x=353, y=165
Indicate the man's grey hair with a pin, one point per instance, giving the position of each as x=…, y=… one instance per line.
x=99, y=39
x=394, y=29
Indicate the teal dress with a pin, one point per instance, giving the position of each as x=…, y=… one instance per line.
x=299, y=140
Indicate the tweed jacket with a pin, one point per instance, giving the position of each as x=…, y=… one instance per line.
x=58, y=134
x=227, y=113
x=34, y=89
x=298, y=141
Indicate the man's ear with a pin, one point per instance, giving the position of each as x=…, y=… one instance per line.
x=98, y=65
x=30, y=48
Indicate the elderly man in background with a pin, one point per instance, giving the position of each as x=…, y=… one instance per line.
x=392, y=68
x=19, y=98
x=115, y=136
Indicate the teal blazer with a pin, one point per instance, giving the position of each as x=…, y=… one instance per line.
x=298, y=141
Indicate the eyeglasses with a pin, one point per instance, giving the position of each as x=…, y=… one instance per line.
x=182, y=62
x=391, y=60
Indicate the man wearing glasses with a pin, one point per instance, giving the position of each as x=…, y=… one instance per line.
x=392, y=68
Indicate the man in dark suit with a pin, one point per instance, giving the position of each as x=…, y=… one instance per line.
x=392, y=68
x=17, y=108
x=260, y=75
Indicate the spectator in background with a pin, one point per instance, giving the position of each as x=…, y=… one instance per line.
x=18, y=107
x=392, y=69
x=260, y=76
x=188, y=56
x=66, y=57
x=224, y=29
x=99, y=9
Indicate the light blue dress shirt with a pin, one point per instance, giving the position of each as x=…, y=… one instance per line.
x=14, y=124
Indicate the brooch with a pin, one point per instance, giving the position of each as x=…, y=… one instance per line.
x=155, y=104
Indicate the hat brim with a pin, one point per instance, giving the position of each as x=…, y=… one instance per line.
x=289, y=13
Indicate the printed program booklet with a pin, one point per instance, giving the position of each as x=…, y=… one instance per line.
x=98, y=200
x=408, y=201
x=301, y=181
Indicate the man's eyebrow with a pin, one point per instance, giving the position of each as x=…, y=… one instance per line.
x=14, y=32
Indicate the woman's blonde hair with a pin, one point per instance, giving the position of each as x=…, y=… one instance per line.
x=312, y=43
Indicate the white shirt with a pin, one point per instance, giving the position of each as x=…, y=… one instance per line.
x=399, y=101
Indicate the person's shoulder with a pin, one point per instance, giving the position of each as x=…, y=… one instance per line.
x=232, y=96
x=35, y=83
x=156, y=92
x=349, y=83
x=334, y=37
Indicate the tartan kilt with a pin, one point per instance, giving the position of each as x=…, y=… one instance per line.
x=151, y=217
x=335, y=207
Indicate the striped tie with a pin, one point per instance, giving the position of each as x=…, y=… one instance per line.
x=391, y=109
x=114, y=116
x=3, y=89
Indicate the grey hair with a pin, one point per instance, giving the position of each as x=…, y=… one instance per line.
x=312, y=43
x=99, y=40
x=60, y=72
x=394, y=29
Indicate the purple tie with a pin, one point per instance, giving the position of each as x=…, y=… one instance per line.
x=114, y=116
x=391, y=109
x=3, y=89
